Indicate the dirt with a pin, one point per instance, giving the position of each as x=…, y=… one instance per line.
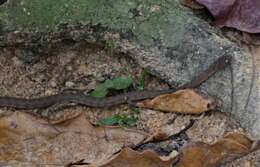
x=83, y=66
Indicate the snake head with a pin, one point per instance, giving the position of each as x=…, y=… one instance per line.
x=223, y=61
x=227, y=59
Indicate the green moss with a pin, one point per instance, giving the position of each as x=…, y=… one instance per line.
x=149, y=20
x=47, y=13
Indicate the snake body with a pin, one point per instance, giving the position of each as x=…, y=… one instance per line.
x=82, y=99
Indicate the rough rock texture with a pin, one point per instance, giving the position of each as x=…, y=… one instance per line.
x=158, y=34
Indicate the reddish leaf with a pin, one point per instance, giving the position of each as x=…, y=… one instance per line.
x=243, y=15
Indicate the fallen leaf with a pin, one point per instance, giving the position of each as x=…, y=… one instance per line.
x=193, y=4
x=186, y=101
x=167, y=131
x=200, y=154
x=243, y=15
x=130, y=158
x=25, y=139
x=64, y=116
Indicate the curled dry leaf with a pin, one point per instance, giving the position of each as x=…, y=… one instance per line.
x=130, y=158
x=187, y=101
x=28, y=141
x=200, y=154
x=243, y=15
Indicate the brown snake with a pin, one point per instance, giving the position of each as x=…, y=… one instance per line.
x=82, y=99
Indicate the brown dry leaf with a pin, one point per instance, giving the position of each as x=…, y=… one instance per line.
x=193, y=4
x=130, y=158
x=200, y=154
x=165, y=132
x=28, y=141
x=160, y=134
x=187, y=101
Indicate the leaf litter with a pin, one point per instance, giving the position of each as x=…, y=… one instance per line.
x=197, y=154
x=27, y=140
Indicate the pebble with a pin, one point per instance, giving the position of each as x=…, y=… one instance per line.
x=69, y=68
x=53, y=84
x=48, y=92
x=16, y=61
x=69, y=84
x=83, y=69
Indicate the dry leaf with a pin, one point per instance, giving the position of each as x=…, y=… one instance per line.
x=29, y=141
x=130, y=158
x=193, y=4
x=186, y=101
x=165, y=132
x=200, y=154
x=243, y=15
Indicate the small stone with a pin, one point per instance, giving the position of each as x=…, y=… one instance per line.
x=48, y=92
x=67, y=57
x=155, y=8
x=69, y=68
x=2, y=112
x=82, y=69
x=100, y=77
x=69, y=84
x=17, y=61
x=91, y=85
x=53, y=84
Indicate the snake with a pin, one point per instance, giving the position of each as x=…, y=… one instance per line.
x=80, y=98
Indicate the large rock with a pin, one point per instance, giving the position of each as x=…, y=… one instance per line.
x=159, y=34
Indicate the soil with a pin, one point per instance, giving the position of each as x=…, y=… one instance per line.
x=83, y=66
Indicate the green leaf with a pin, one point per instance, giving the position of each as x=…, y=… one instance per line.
x=111, y=120
x=121, y=120
x=136, y=110
x=100, y=91
x=108, y=84
x=130, y=120
x=122, y=83
x=116, y=83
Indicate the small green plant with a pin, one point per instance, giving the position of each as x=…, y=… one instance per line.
x=121, y=120
x=141, y=84
x=135, y=110
x=110, y=44
x=119, y=83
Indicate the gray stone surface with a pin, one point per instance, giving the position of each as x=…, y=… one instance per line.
x=160, y=35
x=236, y=87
